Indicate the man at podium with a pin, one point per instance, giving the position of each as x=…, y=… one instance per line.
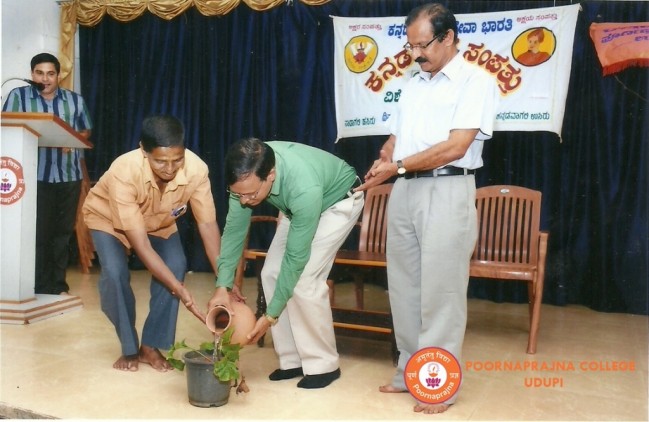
x=59, y=171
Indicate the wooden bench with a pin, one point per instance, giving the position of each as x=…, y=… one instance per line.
x=510, y=246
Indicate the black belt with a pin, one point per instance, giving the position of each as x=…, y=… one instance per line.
x=444, y=171
x=350, y=192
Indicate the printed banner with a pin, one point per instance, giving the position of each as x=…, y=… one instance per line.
x=528, y=52
x=621, y=45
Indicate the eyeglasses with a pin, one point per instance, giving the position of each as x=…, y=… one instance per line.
x=409, y=47
x=252, y=196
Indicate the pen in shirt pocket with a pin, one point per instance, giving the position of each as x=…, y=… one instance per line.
x=177, y=212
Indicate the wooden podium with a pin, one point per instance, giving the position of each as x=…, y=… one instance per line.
x=22, y=134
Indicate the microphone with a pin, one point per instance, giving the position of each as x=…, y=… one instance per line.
x=39, y=86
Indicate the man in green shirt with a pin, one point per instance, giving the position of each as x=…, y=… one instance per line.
x=313, y=189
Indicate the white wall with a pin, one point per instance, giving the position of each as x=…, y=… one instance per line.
x=28, y=27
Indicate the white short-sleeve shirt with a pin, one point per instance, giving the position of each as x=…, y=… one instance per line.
x=460, y=96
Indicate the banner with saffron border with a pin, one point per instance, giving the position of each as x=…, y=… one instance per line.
x=528, y=52
x=621, y=45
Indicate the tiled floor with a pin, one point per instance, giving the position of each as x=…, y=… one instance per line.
x=61, y=367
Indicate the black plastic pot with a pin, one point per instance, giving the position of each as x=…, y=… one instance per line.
x=203, y=388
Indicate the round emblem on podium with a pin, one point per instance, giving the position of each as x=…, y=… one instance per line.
x=12, y=181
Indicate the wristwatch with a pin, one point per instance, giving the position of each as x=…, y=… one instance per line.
x=401, y=170
x=270, y=319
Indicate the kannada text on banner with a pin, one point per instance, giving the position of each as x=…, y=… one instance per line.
x=528, y=53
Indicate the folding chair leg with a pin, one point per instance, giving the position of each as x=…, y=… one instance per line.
x=359, y=290
x=535, y=314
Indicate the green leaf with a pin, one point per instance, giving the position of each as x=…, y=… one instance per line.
x=227, y=336
x=176, y=363
x=225, y=368
x=207, y=347
x=231, y=355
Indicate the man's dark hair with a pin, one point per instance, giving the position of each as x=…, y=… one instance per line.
x=248, y=156
x=46, y=58
x=162, y=132
x=441, y=19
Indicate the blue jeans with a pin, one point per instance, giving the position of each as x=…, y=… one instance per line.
x=118, y=300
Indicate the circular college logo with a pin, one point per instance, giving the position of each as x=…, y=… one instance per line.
x=433, y=375
x=360, y=53
x=12, y=181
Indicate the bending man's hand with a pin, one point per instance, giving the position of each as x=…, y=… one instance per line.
x=220, y=297
x=237, y=295
x=186, y=298
x=260, y=329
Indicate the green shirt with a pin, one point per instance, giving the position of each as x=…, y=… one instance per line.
x=307, y=182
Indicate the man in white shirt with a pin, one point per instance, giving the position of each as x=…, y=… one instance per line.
x=444, y=114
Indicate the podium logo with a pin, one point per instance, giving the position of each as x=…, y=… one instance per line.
x=12, y=181
x=433, y=375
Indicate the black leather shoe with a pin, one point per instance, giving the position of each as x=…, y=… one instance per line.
x=319, y=380
x=285, y=374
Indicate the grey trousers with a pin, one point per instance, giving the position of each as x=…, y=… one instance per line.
x=432, y=230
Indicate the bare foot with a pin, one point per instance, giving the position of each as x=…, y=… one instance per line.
x=389, y=388
x=430, y=409
x=153, y=357
x=126, y=363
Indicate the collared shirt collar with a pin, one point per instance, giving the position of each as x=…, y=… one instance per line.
x=274, y=189
x=35, y=94
x=450, y=70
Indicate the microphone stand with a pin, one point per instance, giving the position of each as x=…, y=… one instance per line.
x=39, y=86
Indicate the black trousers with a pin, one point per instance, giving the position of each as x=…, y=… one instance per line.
x=56, y=212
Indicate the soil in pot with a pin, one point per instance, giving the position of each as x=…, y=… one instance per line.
x=203, y=388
